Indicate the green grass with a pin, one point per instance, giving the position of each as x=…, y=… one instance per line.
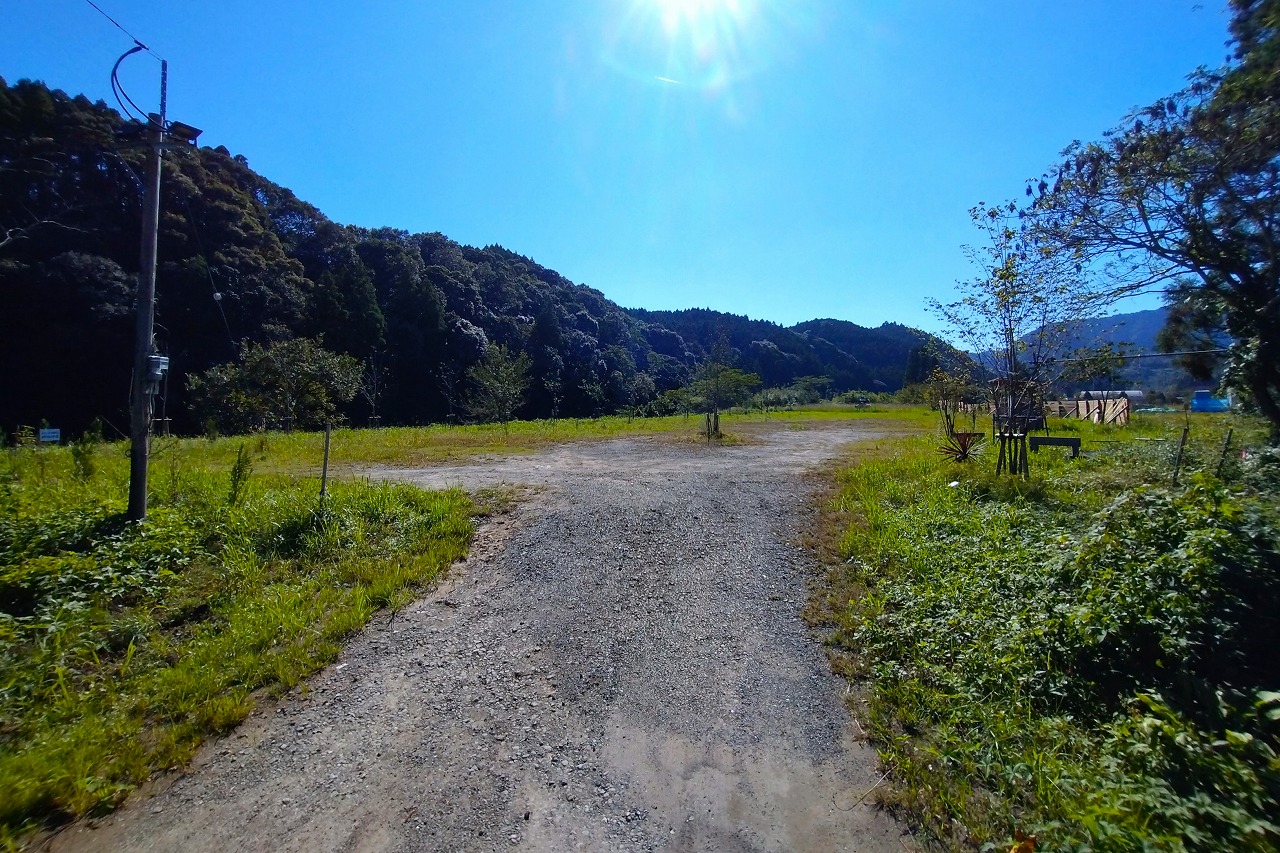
x=354, y=449
x=1010, y=688
x=1087, y=656
x=123, y=646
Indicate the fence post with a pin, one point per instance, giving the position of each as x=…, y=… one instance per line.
x=1177, y=460
x=324, y=470
x=1226, y=443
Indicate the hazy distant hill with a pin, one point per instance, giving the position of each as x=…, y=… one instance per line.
x=883, y=351
x=1138, y=329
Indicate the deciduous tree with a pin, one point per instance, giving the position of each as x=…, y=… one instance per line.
x=499, y=381
x=1018, y=314
x=1184, y=197
x=296, y=383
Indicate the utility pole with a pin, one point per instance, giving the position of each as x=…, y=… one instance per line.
x=144, y=331
x=148, y=367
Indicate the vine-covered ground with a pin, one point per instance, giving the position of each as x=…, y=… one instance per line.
x=1087, y=656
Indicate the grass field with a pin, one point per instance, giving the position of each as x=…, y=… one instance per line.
x=123, y=646
x=354, y=449
x=1087, y=655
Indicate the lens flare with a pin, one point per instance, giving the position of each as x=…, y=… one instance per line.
x=679, y=14
x=709, y=45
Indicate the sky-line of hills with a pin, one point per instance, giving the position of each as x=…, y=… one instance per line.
x=243, y=259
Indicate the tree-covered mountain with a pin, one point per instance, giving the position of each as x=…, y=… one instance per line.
x=242, y=261
x=851, y=356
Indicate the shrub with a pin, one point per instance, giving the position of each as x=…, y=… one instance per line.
x=1099, y=671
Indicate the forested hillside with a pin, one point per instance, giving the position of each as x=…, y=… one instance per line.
x=851, y=356
x=243, y=262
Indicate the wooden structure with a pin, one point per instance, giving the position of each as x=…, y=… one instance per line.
x=1011, y=439
x=1016, y=405
x=1068, y=441
x=1111, y=411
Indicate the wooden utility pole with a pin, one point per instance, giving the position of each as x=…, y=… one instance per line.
x=143, y=390
x=149, y=368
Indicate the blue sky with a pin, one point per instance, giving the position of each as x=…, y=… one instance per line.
x=785, y=159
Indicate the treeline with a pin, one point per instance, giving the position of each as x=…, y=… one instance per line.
x=244, y=265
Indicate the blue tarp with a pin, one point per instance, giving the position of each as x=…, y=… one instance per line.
x=1203, y=402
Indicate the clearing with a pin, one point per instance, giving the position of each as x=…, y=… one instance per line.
x=619, y=665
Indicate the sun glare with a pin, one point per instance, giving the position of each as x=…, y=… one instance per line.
x=681, y=14
x=709, y=42
x=709, y=46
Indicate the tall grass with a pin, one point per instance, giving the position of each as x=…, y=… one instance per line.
x=122, y=646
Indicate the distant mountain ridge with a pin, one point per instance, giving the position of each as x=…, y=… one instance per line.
x=242, y=259
x=1138, y=331
x=853, y=357
x=1138, y=328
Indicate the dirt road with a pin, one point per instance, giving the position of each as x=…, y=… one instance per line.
x=620, y=665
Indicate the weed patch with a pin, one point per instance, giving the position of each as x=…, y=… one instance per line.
x=122, y=646
x=1087, y=656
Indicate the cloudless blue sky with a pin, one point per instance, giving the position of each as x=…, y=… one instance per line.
x=785, y=159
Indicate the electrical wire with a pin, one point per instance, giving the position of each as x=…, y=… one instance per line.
x=120, y=28
x=217, y=296
x=137, y=181
x=1146, y=355
x=118, y=90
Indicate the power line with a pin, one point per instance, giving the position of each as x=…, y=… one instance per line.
x=118, y=90
x=120, y=28
x=1121, y=357
x=217, y=296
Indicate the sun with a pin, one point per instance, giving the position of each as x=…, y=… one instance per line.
x=710, y=46
x=694, y=9
x=680, y=15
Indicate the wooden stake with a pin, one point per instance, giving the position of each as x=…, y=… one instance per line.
x=1222, y=460
x=1177, y=460
x=324, y=470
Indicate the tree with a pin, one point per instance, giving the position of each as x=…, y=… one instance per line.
x=674, y=401
x=297, y=383
x=545, y=344
x=717, y=384
x=344, y=310
x=642, y=390
x=810, y=389
x=373, y=384
x=499, y=381
x=1184, y=197
x=1019, y=314
x=921, y=362
x=720, y=387
x=49, y=186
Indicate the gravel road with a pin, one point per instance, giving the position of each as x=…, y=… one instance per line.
x=619, y=665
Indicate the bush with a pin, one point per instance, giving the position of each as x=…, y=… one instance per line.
x=1100, y=673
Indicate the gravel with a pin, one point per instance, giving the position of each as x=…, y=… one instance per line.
x=619, y=665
